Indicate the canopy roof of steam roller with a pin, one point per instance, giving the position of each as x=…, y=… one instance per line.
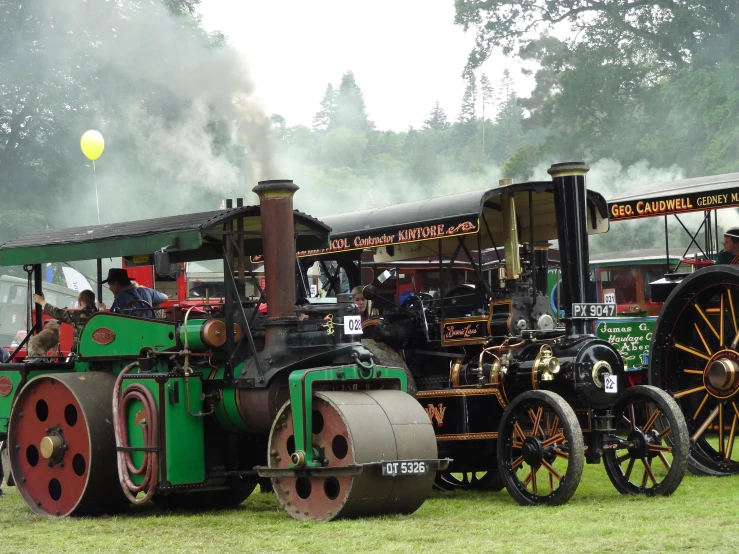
x=188, y=237
x=462, y=215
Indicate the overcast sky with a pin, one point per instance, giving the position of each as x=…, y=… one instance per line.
x=405, y=54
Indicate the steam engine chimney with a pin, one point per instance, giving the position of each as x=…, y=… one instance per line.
x=278, y=246
x=570, y=202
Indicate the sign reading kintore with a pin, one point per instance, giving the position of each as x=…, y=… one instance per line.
x=388, y=236
x=681, y=203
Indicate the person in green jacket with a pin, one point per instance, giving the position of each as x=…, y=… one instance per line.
x=78, y=318
x=731, y=248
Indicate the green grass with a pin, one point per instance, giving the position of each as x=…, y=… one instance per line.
x=701, y=516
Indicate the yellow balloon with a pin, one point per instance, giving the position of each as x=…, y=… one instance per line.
x=92, y=144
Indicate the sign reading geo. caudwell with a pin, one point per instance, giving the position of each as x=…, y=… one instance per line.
x=631, y=336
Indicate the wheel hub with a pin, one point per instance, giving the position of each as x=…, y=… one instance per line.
x=639, y=444
x=532, y=451
x=52, y=447
x=721, y=374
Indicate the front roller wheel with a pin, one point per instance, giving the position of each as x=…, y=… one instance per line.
x=62, y=447
x=540, y=449
x=653, y=455
x=355, y=428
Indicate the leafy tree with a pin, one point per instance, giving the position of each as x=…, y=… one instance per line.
x=664, y=33
x=437, y=120
x=351, y=112
x=327, y=110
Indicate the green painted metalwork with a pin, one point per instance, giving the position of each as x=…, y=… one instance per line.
x=183, y=437
x=15, y=377
x=301, y=396
x=194, y=337
x=129, y=336
x=631, y=336
x=110, y=248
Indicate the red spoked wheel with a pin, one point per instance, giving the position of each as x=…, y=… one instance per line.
x=355, y=428
x=61, y=445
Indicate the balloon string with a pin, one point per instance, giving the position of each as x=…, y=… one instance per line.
x=94, y=180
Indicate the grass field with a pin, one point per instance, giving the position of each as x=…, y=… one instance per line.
x=702, y=516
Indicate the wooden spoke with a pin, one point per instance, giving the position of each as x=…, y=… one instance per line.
x=517, y=462
x=706, y=423
x=537, y=419
x=622, y=458
x=733, y=313
x=517, y=444
x=517, y=430
x=560, y=454
x=551, y=482
x=703, y=340
x=648, y=470
x=730, y=446
x=720, y=427
x=625, y=420
x=700, y=407
x=688, y=391
x=629, y=468
x=664, y=460
x=705, y=318
x=666, y=432
x=551, y=470
x=693, y=371
x=736, y=410
x=651, y=420
x=660, y=448
x=691, y=351
x=533, y=480
x=644, y=477
x=553, y=429
x=632, y=417
x=555, y=438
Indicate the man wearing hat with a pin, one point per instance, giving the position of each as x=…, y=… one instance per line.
x=731, y=248
x=126, y=292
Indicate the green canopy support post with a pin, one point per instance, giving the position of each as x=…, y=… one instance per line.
x=37, y=288
x=100, y=279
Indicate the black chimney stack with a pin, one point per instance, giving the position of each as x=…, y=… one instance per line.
x=570, y=202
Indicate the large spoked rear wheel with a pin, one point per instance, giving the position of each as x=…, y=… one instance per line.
x=654, y=456
x=62, y=447
x=540, y=449
x=695, y=358
x=355, y=428
x=489, y=481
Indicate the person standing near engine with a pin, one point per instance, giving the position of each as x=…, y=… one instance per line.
x=127, y=292
x=730, y=253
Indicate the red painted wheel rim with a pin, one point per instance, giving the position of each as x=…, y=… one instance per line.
x=50, y=486
x=317, y=498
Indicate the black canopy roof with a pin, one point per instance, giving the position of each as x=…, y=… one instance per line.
x=675, y=197
x=187, y=237
x=456, y=215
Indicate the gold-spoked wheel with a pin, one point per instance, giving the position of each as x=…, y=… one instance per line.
x=540, y=449
x=652, y=453
x=695, y=357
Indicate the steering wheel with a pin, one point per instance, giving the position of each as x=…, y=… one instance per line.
x=137, y=307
